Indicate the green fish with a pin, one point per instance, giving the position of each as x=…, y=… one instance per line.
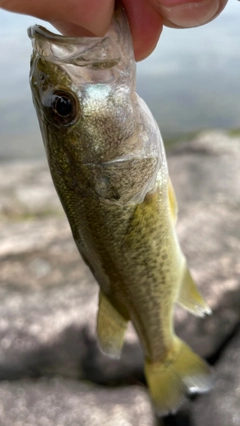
x=108, y=165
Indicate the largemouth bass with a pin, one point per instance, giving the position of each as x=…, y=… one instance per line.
x=108, y=165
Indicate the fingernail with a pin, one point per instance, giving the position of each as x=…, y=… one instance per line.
x=188, y=13
x=170, y=3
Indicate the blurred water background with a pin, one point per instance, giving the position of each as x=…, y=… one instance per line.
x=191, y=81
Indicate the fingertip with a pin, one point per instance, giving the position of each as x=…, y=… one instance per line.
x=188, y=13
x=94, y=16
x=69, y=16
x=146, y=27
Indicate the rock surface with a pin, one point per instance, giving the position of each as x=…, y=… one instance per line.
x=222, y=405
x=51, y=370
x=59, y=402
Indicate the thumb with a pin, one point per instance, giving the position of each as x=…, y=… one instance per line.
x=188, y=13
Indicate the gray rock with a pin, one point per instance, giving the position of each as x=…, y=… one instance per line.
x=49, y=304
x=222, y=406
x=207, y=181
x=206, y=170
x=27, y=191
x=48, y=297
x=59, y=402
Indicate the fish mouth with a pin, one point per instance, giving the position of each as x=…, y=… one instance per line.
x=38, y=31
x=94, y=52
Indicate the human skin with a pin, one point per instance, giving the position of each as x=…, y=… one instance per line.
x=146, y=17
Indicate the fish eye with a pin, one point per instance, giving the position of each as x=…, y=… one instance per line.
x=62, y=107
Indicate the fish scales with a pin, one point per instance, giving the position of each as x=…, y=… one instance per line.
x=108, y=165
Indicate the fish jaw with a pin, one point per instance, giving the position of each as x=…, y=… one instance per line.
x=101, y=59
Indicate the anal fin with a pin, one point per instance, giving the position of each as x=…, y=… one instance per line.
x=111, y=327
x=190, y=298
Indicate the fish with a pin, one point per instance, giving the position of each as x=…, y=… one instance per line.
x=108, y=164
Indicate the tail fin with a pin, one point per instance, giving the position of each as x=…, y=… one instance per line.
x=181, y=372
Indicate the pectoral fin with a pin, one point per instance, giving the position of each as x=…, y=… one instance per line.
x=172, y=201
x=190, y=298
x=111, y=327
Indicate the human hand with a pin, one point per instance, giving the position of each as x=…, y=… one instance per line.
x=146, y=17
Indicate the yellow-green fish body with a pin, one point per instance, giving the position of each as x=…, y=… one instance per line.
x=109, y=168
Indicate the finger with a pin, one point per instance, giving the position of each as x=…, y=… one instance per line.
x=146, y=26
x=147, y=17
x=69, y=16
x=188, y=13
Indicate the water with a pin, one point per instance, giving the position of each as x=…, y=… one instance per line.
x=190, y=82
